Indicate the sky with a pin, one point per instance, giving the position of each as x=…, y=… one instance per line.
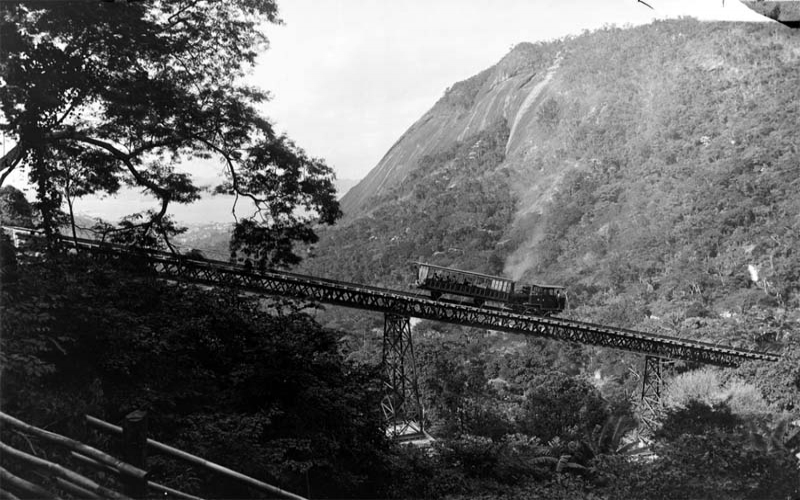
x=349, y=77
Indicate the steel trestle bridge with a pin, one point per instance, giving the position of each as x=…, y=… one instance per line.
x=402, y=399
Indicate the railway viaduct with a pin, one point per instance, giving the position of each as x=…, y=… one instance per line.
x=401, y=403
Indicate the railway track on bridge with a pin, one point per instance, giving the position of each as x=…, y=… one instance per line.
x=274, y=282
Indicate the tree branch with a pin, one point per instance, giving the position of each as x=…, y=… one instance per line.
x=10, y=161
x=72, y=106
x=164, y=195
x=172, y=23
x=234, y=178
x=152, y=145
x=125, y=158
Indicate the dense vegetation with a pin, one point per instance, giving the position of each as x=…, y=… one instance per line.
x=674, y=151
x=669, y=189
x=682, y=182
x=258, y=386
x=253, y=384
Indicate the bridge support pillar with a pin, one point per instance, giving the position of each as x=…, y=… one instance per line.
x=656, y=371
x=401, y=405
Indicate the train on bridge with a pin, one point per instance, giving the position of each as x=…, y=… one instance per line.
x=540, y=300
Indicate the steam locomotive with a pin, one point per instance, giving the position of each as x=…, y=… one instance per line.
x=541, y=300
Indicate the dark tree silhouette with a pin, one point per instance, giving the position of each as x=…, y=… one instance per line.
x=123, y=92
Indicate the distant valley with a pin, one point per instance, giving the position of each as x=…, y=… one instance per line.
x=209, y=209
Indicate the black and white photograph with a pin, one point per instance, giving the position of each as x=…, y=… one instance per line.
x=407, y=250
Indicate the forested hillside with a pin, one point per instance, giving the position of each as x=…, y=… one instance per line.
x=652, y=171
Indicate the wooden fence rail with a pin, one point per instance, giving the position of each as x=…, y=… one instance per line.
x=76, y=446
x=135, y=479
x=59, y=471
x=18, y=484
x=198, y=461
x=67, y=480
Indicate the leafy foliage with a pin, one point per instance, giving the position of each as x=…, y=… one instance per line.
x=15, y=210
x=253, y=384
x=779, y=382
x=151, y=86
x=683, y=158
x=705, y=453
x=706, y=386
x=559, y=406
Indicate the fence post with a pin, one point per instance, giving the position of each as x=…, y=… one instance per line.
x=134, y=450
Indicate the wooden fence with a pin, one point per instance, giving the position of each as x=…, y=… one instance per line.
x=49, y=480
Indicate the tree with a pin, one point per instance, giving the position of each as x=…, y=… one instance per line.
x=557, y=405
x=14, y=208
x=86, y=337
x=712, y=440
x=127, y=91
x=779, y=382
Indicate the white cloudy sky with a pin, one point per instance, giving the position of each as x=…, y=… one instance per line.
x=348, y=77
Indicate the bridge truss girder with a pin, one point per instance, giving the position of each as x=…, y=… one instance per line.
x=214, y=273
x=401, y=403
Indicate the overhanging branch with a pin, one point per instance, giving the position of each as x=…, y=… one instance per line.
x=124, y=158
x=232, y=169
x=163, y=194
x=10, y=161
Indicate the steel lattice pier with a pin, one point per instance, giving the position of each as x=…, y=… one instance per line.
x=656, y=371
x=402, y=409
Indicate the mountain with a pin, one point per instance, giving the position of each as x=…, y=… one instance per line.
x=506, y=92
x=648, y=169
x=784, y=11
x=344, y=185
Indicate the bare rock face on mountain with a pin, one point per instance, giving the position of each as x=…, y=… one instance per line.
x=510, y=92
x=652, y=165
x=784, y=11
